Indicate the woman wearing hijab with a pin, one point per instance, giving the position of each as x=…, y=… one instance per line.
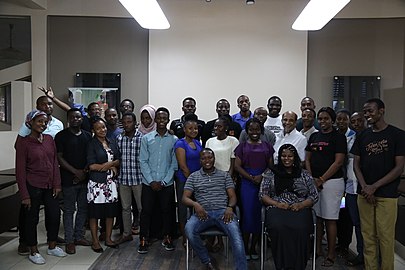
x=39, y=182
x=147, y=119
x=288, y=193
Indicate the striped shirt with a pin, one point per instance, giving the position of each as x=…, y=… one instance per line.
x=130, y=168
x=210, y=190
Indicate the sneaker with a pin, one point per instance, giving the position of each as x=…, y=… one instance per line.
x=36, y=258
x=143, y=246
x=168, y=244
x=23, y=249
x=57, y=252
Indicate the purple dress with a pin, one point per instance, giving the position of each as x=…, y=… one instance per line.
x=254, y=159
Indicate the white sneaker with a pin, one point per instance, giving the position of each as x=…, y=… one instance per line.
x=57, y=251
x=37, y=258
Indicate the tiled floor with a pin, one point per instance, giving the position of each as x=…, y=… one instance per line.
x=83, y=259
x=10, y=260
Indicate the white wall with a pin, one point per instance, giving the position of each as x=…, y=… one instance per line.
x=223, y=49
x=210, y=63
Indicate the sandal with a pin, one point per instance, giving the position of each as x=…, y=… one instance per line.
x=328, y=262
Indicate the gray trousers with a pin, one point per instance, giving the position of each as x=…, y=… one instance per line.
x=126, y=202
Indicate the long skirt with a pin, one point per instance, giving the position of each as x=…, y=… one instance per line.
x=251, y=205
x=290, y=237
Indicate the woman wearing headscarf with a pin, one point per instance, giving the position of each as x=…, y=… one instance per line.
x=289, y=193
x=39, y=182
x=147, y=119
x=146, y=126
x=324, y=159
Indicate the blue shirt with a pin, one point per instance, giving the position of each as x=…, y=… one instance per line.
x=113, y=134
x=157, y=158
x=192, y=157
x=238, y=118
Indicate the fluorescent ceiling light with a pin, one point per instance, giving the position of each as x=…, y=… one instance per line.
x=147, y=13
x=318, y=13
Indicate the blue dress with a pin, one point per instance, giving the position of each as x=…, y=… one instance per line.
x=254, y=159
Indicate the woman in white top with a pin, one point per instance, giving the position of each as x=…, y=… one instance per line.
x=223, y=146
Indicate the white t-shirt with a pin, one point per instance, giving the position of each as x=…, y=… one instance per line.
x=223, y=150
x=295, y=138
x=274, y=124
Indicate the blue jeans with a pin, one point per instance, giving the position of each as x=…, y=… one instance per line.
x=194, y=226
x=72, y=196
x=351, y=205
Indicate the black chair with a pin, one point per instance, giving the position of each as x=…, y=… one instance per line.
x=265, y=236
x=211, y=231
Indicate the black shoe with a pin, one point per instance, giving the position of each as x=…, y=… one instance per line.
x=23, y=249
x=168, y=244
x=143, y=246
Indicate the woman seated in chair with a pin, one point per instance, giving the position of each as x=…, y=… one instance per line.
x=288, y=193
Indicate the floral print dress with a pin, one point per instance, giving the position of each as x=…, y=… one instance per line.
x=103, y=192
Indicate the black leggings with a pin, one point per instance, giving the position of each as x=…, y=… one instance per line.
x=31, y=216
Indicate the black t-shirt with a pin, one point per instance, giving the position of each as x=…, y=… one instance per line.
x=377, y=152
x=86, y=125
x=323, y=147
x=73, y=147
x=177, y=127
x=208, y=132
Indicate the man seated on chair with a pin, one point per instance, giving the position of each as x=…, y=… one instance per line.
x=215, y=198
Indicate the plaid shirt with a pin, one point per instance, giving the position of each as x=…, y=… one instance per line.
x=130, y=168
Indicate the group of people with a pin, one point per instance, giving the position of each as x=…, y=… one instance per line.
x=112, y=167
